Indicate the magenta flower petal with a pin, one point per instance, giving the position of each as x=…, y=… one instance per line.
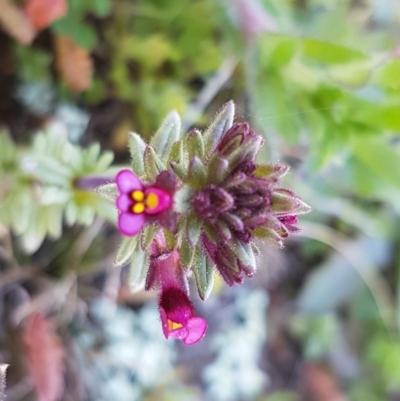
x=130, y=224
x=196, y=327
x=127, y=181
x=164, y=321
x=124, y=203
x=180, y=333
x=164, y=200
x=177, y=314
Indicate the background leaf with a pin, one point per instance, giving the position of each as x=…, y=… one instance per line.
x=45, y=356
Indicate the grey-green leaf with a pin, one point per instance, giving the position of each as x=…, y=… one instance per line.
x=152, y=164
x=284, y=202
x=187, y=254
x=182, y=199
x=244, y=253
x=179, y=171
x=168, y=133
x=203, y=269
x=195, y=144
x=176, y=153
x=197, y=173
x=147, y=236
x=138, y=270
x=137, y=147
x=109, y=192
x=171, y=239
x=217, y=169
x=222, y=122
x=125, y=250
x=193, y=228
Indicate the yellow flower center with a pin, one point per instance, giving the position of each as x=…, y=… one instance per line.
x=142, y=202
x=138, y=207
x=173, y=325
x=152, y=200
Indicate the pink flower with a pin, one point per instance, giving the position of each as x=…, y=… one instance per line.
x=176, y=310
x=138, y=202
x=177, y=317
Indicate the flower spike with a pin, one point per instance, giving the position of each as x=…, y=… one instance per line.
x=210, y=200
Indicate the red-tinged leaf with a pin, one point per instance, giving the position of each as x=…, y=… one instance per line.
x=321, y=385
x=43, y=13
x=16, y=23
x=73, y=63
x=45, y=356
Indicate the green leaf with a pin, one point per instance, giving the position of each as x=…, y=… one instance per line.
x=271, y=170
x=151, y=51
x=102, y=7
x=176, y=154
x=152, y=164
x=147, y=236
x=211, y=233
x=187, y=253
x=34, y=235
x=379, y=157
x=103, y=162
x=54, y=196
x=354, y=74
x=92, y=153
x=222, y=122
x=71, y=213
x=8, y=156
x=195, y=144
x=193, y=228
x=182, y=199
x=203, y=269
x=54, y=219
x=389, y=75
x=283, y=52
x=247, y=150
x=82, y=34
x=384, y=353
x=179, y=170
x=168, y=133
x=217, y=169
x=48, y=169
x=138, y=270
x=137, y=147
x=244, y=253
x=330, y=53
x=33, y=64
x=197, y=173
x=381, y=116
x=125, y=250
x=171, y=239
x=269, y=235
x=86, y=214
x=285, y=202
x=108, y=191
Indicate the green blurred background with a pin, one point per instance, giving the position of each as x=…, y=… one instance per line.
x=319, y=79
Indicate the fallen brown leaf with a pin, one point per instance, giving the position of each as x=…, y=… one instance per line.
x=73, y=63
x=45, y=357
